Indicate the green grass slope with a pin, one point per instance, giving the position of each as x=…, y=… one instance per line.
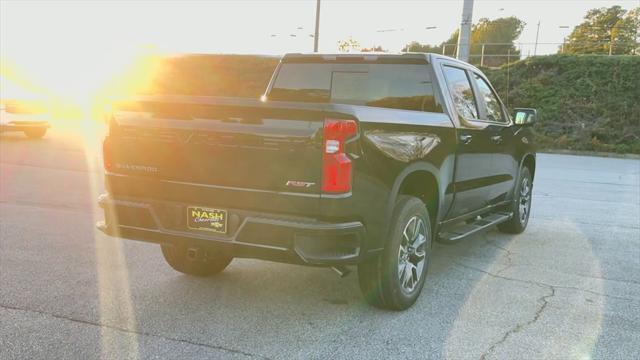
x=213, y=75
x=584, y=102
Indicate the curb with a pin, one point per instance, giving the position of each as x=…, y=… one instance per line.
x=590, y=153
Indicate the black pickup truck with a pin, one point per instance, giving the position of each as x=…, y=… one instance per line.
x=346, y=160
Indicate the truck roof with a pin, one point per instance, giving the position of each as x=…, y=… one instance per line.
x=364, y=56
x=367, y=56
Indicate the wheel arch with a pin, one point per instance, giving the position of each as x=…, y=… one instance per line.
x=419, y=180
x=529, y=161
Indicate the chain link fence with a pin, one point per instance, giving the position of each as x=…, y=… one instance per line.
x=497, y=54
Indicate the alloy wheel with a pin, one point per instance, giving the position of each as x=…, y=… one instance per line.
x=525, y=200
x=412, y=254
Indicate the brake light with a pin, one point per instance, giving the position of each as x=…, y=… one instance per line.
x=106, y=153
x=336, y=165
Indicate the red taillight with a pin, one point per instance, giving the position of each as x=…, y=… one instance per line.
x=336, y=165
x=106, y=153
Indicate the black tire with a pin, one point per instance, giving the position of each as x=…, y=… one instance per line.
x=35, y=133
x=379, y=277
x=207, y=262
x=521, y=206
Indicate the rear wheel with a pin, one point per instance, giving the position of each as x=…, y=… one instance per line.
x=521, y=206
x=196, y=261
x=394, y=279
x=35, y=133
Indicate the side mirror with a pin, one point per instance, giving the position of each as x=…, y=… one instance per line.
x=525, y=116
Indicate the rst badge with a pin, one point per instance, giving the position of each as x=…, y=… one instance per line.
x=300, y=184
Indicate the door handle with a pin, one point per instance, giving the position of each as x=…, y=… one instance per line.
x=465, y=138
x=497, y=139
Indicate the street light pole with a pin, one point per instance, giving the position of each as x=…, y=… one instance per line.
x=464, y=36
x=317, y=33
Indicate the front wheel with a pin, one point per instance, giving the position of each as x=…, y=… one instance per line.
x=394, y=279
x=521, y=206
x=195, y=261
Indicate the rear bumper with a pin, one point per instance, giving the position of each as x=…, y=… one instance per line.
x=250, y=234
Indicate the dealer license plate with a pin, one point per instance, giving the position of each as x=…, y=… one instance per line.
x=199, y=218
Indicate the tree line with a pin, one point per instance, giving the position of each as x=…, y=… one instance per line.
x=612, y=31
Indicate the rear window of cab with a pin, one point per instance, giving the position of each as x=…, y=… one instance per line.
x=396, y=86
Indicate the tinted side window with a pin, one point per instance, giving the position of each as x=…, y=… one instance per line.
x=494, y=110
x=396, y=86
x=460, y=89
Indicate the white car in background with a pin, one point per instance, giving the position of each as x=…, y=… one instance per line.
x=18, y=118
x=21, y=110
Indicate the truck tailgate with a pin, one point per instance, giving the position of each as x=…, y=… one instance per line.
x=215, y=147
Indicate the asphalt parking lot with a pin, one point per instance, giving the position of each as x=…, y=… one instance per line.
x=568, y=288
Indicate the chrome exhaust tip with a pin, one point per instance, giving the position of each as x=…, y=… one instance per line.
x=342, y=271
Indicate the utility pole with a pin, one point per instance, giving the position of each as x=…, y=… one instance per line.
x=535, y=47
x=317, y=34
x=464, y=36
